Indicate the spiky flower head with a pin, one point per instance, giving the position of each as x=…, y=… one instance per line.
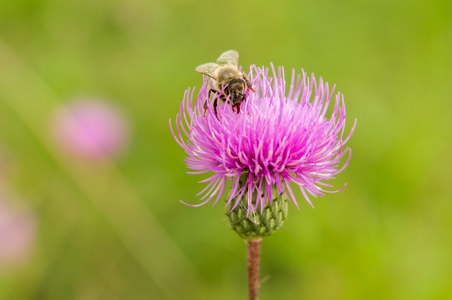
x=280, y=139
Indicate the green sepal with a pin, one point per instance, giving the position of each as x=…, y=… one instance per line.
x=258, y=225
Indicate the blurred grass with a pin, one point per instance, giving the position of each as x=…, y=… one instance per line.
x=116, y=230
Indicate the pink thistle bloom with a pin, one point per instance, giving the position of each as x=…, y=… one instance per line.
x=17, y=234
x=90, y=129
x=279, y=139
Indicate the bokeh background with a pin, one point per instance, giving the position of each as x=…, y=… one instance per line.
x=78, y=225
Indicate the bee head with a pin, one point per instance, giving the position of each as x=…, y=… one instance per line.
x=235, y=90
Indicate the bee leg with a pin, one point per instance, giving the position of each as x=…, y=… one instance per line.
x=215, y=104
x=248, y=83
x=205, y=109
x=226, y=92
x=232, y=101
x=205, y=103
x=223, y=97
x=212, y=91
x=242, y=98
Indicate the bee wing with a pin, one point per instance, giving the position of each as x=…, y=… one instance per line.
x=208, y=69
x=230, y=57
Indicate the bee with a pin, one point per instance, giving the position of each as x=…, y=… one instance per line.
x=228, y=80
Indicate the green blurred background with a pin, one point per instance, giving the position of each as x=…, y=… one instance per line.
x=116, y=229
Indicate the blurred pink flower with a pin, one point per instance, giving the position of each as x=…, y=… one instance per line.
x=17, y=234
x=90, y=129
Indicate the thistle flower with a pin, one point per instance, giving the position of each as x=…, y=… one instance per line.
x=90, y=129
x=17, y=234
x=280, y=139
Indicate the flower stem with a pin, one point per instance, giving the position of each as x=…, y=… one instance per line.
x=253, y=258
